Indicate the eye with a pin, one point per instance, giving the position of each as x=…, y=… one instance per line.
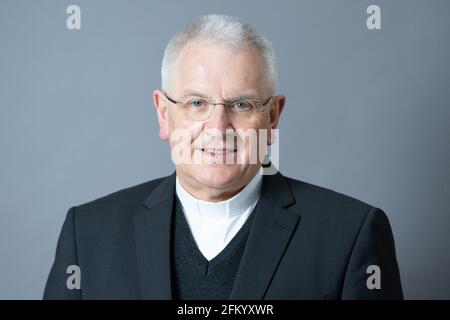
x=243, y=105
x=197, y=103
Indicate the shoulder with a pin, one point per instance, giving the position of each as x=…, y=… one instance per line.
x=328, y=207
x=119, y=204
x=313, y=194
x=334, y=220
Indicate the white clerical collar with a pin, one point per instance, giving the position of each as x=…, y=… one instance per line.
x=224, y=209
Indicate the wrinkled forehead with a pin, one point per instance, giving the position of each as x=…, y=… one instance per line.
x=217, y=68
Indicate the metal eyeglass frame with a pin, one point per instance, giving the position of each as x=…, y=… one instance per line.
x=225, y=104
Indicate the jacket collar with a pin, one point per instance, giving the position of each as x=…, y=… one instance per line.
x=272, y=227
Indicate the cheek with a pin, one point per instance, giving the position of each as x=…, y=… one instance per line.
x=252, y=147
x=177, y=134
x=183, y=133
x=262, y=120
x=174, y=121
x=177, y=125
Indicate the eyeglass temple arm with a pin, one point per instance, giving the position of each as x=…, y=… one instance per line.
x=170, y=99
x=176, y=102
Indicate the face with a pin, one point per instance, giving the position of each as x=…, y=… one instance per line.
x=219, y=73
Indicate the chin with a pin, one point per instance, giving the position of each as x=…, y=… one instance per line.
x=218, y=175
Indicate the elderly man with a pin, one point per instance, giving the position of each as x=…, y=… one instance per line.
x=218, y=227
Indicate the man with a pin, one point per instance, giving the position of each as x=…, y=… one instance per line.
x=217, y=228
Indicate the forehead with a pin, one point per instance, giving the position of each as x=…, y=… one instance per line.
x=214, y=67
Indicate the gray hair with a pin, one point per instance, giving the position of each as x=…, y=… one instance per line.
x=230, y=30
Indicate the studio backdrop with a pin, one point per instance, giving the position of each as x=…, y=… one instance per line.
x=367, y=114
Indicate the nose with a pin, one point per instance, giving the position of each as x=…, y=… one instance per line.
x=219, y=119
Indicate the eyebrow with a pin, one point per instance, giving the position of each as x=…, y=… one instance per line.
x=189, y=93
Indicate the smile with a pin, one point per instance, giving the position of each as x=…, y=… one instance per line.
x=218, y=152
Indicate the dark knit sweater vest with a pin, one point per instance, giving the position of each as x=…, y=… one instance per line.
x=193, y=276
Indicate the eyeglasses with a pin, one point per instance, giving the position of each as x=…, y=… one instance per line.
x=200, y=109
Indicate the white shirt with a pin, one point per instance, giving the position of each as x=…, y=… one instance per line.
x=214, y=224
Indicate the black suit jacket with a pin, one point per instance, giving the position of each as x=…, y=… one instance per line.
x=306, y=242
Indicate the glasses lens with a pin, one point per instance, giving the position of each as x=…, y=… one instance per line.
x=199, y=109
x=243, y=106
x=196, y=109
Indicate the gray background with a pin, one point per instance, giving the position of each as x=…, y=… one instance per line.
x=367, y=115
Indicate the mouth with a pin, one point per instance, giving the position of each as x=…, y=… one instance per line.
x=218, y=153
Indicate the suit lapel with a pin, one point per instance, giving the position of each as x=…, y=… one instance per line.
x=269, y=236
x=271, y=231
x=152, y=225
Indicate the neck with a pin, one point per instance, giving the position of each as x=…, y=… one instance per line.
x=211, y=194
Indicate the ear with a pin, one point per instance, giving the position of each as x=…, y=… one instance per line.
x=162, y=113
x=274, y=115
